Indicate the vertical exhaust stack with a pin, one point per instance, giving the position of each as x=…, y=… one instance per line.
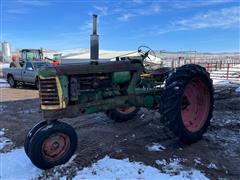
x=94, y=42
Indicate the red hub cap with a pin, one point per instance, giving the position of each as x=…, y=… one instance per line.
x=195, y=104
x=55, y=146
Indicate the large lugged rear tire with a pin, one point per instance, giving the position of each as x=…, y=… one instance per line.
x=187, y=102
x=52, y=145
x=122, y=114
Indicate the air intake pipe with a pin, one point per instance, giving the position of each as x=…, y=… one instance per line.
x=94, y=41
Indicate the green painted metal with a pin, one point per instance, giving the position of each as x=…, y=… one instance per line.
x=148, y=101
x=135, y=79
x=123, y=89
x=47, y=72
x=121, y=77
x=64, y=84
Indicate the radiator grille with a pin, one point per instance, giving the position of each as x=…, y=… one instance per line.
x=49, y=92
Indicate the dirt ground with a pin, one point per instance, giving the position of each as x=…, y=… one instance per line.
x=217, y=154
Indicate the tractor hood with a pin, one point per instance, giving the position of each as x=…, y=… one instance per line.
x=90, y=67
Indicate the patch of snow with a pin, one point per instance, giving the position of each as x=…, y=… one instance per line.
x=173, y=166
x=29, y=111
x=2, y=131
x=238, y=89
x=3, y=140
x=2, y=108
x=161, y=162
x=221, y=82
x=155, y=147
x=108, y=168
x=3, y=83
x=197, y=161
x=16, y=165
x=212, y=166
x=5, y=65
x=2, y=80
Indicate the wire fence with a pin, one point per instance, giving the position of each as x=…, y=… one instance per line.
x=219, y=70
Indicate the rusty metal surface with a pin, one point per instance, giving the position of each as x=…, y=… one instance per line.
x=48, y=92
x=74, y=88
x=101, y=67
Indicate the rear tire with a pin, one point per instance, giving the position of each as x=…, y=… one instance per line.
x=122, y=114
x=52, y=145
x=187, y=102
x=11, y=81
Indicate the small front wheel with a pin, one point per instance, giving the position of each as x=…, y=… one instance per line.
x=52, y=145
x=31, y=133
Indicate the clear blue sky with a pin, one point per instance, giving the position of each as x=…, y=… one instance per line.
x=123, y=25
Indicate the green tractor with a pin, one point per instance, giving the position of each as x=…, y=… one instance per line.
x=32, y=55
x=27, y=55
x=183, y=96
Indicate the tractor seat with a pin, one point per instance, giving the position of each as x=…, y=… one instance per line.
x=159, y=71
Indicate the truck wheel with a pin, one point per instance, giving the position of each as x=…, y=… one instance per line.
x=187, y=102
x=37, y=84
x=31, y=133
x=52, y=145
x=11, y=81
x=122, y=114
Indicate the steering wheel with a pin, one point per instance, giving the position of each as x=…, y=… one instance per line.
x=144, y=51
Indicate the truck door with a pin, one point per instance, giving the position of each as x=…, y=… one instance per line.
x=28, y=74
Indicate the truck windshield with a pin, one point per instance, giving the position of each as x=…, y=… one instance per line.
x=33, y=55
x=40, y=65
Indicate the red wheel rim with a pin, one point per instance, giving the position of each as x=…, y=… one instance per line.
x=125, y=109
x=55, y=146
x=195, y=104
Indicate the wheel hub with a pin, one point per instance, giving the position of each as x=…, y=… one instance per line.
x=55, y=146
x=185, y=102
x=195, y=104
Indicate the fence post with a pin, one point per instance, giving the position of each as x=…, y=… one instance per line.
x=208, y=65
x=172, y=63
x=227, y=70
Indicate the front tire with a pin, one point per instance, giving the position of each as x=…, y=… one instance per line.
x=31, y=133
x=187, y=102
x=52, y=145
